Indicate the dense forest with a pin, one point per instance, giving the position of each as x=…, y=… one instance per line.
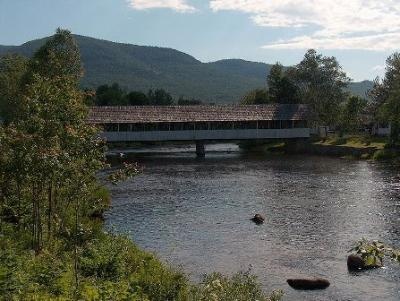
x=141, y=68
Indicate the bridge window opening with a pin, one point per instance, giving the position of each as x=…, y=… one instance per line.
x=300, y=124
x=123, y=127
x=265, y=124
x=246, y=125
x=220, y=125
x=111, y=127
x=165, y=126
x=188, y=126
x=201, y=126
x=148, y=127
x=137, y=127
x=286, y=124
x=276, y=124
x=215, y=125
x=177, y=126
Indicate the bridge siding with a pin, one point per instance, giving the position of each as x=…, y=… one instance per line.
x=189, y=135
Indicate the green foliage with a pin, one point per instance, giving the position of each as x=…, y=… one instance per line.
x=240, y=287
x=127, y=171
x=12, y=71
x=351, y=116
x=136, y=98
x=114, y=95
x=58, y=57
x=110, y=96
x=385, y=104
x=374, y=252
x=51, y=247
x=104, y=258
x=385, y=154
x=255, y=97
x=188, y=102
x=159, y=97
x=321, y=83
x=280, y=87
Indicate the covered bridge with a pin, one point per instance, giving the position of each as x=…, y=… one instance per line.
x=202, y=122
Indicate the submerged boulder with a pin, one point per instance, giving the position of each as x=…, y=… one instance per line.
x=258, y=219
x=308, y=284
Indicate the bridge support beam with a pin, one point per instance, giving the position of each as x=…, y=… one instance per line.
x=200, y=149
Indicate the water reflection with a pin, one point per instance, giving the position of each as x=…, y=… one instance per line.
x=195, y=213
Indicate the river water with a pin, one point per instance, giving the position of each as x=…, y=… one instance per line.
x=195, y=214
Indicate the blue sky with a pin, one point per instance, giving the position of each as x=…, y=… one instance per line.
x=360, y=33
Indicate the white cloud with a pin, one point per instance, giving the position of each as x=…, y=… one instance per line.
x=177, y=5
x=340, y=24
x=375, y=42
x=379, y=68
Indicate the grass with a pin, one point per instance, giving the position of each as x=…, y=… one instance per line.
x=356, y=141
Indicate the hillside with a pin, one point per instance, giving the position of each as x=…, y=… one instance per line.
x=143, y=67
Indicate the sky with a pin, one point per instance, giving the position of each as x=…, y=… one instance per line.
x=361, y=34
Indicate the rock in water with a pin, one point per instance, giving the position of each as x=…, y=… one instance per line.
x=308, y=284
x=258, y=219
x=355, y=263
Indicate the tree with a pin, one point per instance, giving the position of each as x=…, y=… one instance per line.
x=110, y=95
x=136, y=98
x=280, y=87
x=188, y=102
x=255, y=97
x=321, y=83
x=50, y=153
x=160, y=97
x=385, y=96
x=12, y=70
x=352, y=113
x=60, y=56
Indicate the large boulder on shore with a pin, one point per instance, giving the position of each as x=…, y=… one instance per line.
x=308, y=284
x=258, y=219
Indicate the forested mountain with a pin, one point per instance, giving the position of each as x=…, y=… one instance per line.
x=143, y=68
x=361, y=88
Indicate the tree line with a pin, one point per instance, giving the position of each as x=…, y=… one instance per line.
x=320, y=82
x=114, y=95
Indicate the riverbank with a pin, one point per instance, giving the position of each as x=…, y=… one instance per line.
x=354, y=146
x=104, y=266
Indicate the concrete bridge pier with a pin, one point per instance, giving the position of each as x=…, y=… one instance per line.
x=200, y=149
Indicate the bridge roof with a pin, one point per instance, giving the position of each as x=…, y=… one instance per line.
x=200, y=113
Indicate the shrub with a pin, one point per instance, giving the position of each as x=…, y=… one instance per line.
x=373, y=252
x=104, y=258
x=385, y=154
x=241, y=287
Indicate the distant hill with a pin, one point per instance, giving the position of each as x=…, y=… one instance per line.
x=361, y=88
x=143, y=67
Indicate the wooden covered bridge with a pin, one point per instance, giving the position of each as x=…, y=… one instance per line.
x=201, y=123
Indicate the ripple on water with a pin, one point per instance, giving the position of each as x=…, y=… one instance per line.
x=195, y=214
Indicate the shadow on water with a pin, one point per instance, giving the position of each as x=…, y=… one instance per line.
x=195, y=213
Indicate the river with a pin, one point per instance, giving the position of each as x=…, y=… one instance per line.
x=195, y=214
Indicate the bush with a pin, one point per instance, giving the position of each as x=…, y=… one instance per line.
x=385, y=154
x=104, y=258
x=373, y=252
x=240, y=287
